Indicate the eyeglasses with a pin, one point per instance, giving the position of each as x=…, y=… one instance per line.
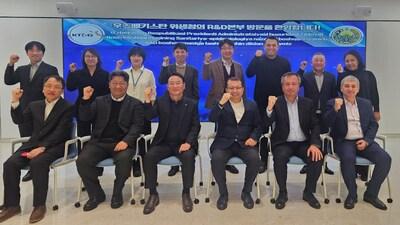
x=57, y=87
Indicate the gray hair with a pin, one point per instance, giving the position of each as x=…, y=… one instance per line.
x=349, y=78
x=289, y=74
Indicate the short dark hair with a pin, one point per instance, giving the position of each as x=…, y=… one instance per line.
x=31, y=44
x=180, y=46
x=57, y=78
x=94, y=52
x=271, y=38
x=290, y=74
x=226, y=41
x=176, y=74
x=234, y=79
x=119, y=73
x=137, y=51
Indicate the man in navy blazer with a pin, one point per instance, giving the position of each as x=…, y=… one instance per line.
x=238, y=130
x=353, y=129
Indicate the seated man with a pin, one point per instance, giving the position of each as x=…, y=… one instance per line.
x=296, y=133
x=51, y=120
x=353, y=129
x=238, y=130
x=177, y=133
x=118, y=121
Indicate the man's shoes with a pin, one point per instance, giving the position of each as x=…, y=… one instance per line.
x=280, y=202
x=2, y=207
x=350, y=202
x=92, y=203
x=312, y=201
x=37, y=214
x=303, y=170
x=248, y=202
x=117, y=201
x=151, y=204
x=375, y=202
x=232, y=169
x=9, y=212
x=173, y=171
x=222, y=202
x=187, y=203
x=27, y=177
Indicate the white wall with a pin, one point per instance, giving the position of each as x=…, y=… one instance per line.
x=382, y=48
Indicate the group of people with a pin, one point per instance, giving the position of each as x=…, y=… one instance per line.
x=116, y=108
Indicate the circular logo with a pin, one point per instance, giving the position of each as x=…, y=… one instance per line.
x=86, y=34
x=346, y=36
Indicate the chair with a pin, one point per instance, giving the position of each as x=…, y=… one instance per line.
x=360, y=161
x=231, y=162
x=173, y=161
x=70, y=153
x=110, y=162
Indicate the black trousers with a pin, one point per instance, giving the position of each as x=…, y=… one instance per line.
x=282, y=154
x=39, y=166
x=219, y=158
x=93, y=153
x=162, y=151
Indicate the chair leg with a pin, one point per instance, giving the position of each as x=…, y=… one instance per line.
x=132, y=201
x=258, y=200
x=389, y=200
x=201, y=170
x=326, y=200
x=141, y=170
x=196, y=200
x=208, y=186
x=273, y=192
x=55, y=206
x=78, y=200
x=339, y=174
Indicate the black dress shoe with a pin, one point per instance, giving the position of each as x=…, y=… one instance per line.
x=27, y=177
x=350, y=202
x=262, y=168
x=222, y=202
x=328, y=171
x=117, y=201
x=187, y=203
x=232, y=169
x=151, y=204
x=92, y=203
x=303, y=170
x=173, y=171
x=312, y=201
x=280, y=202
x=376, y=202
x=9, y=212
x=248, y=202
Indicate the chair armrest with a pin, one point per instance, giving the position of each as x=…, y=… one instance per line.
x=16, y=141
x=383, y=139
x=83, y=140
x=66, y=146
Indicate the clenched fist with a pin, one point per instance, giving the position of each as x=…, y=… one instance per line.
x=207, y=57
x=271, y=102
x=13, y=59
x=166, y=61
x=118, y=64
x=339, y=68
x=16, y=94
x=148, y=94
x=259, y=53
x=225, y=98
x=87, y=92
x=338, y=104
x=72, y=67
x=303, y=64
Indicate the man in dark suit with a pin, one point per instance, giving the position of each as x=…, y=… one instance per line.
x=189, y=72
x=296, y=132
x=51, y=120
x=319, y=86
x=239, y=128
x=177, y=134
x=118, y=121
x=353, y=129
x=30, y=78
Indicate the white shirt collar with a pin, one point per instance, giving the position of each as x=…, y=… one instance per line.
x=141, y=68
x=226, y=63
x=182, y=65
x=349, y=103
x=118, y=99
x=37, y=64
x=51, y=103
x=295, y=100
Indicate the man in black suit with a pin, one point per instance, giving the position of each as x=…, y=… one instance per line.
x=319, y=86
x=353, y=129
x=118, y=121
x=296, y=132
x=30, y=78
x=238, y=130
x=177, y=134
x=189, y=72
x=51, y=120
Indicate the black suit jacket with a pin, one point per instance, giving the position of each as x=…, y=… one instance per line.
x=229, y=131
x=32, y=88
x=189, y=125
x=191, y=80
x=338, y=123
x=49, y=133
x=130, y=118
x=308, y=121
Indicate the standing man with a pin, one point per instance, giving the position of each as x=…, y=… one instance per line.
x=268, y=69
x=219, y=71
x=189, y=73
x=30, y=78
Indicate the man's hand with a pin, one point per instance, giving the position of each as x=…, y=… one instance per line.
x=377, y=116
x=72, y=67
x=259, y=53
x=271, y=102
x=225, y=98
x=13, y=59
x=338, y=104
x=16, y=94
x=250, y=142
x=361, y=145
x=315, y=153
x=207, y=57
x=184, y=147
x=148, y=94
x=118, y=64
x=87, y=92
x=166, y=61
x=339, y=68
x=122, y=145
x=35, y=152
x=303, y=64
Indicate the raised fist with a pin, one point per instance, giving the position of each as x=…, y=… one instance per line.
x=16, y=94
x=87, y=92
x=271, y=102
x=13, y=59
x=166, y=60
x=119, y=64
x=338, y=104
x=339, y=68
x=303, y=64
x=225, y=98
x=207, y=57
x=259, y=53
x=72, y=67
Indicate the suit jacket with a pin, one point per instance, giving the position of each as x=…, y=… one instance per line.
x=229, y=130
x=308, y=121
x=32, y=88
x=189, y=126
x=214, y=71
x=338, y=123
x=49, y=133
x=191, y=80
x=130, y=118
